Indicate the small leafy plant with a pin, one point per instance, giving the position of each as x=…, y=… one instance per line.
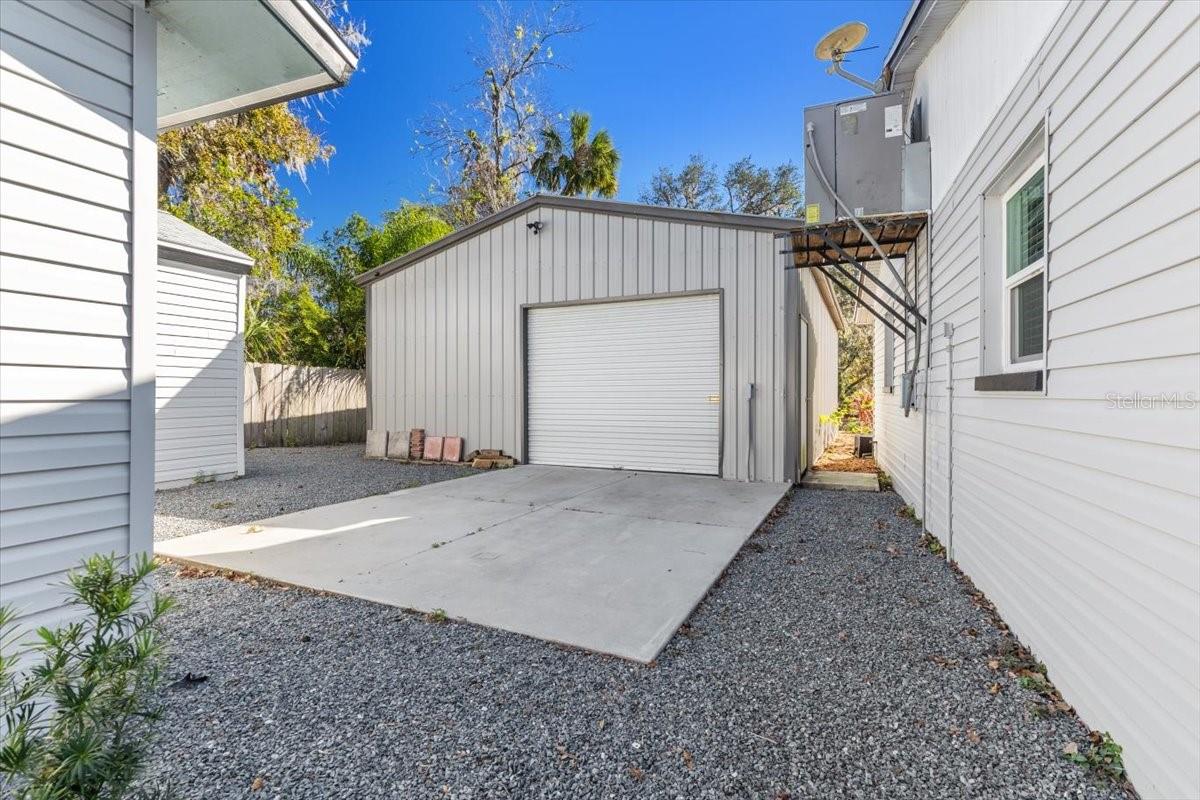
x=78, y=716
x=1103, y=755
x=931, y=543
x=437, y=616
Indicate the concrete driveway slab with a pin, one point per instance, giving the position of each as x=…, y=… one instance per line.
x=610, y=583
x=605, y=560
x=535, y=484
x=682, y=498
x=324, y=546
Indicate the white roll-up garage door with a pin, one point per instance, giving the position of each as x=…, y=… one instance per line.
x=627, y=385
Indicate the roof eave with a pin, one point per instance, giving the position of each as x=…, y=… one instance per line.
x=334, y=63
x=196, y=257
x=923, y=25
x=615, y=207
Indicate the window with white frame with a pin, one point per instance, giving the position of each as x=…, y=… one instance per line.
x=1023, y=239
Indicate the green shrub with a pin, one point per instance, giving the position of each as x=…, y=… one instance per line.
x=79, y=712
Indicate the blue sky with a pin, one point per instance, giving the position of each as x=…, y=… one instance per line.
x=667, y=79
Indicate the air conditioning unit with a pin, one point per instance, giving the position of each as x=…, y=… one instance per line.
x=863, y=155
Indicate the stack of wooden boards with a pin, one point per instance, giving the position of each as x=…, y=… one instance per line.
x=415, y=446
x=489, y=459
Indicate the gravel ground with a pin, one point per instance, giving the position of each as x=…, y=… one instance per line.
x=280, y=480
x=808, y=672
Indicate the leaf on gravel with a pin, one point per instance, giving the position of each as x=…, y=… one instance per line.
x=688, y=761
x=600, y=725
x=257, y=784
x=637, y=773
x=994, y=688
x=1070, y=749
x=973, y=736
x=843, y=636
x=893, y=551
x=993, y=664
x=944, y=662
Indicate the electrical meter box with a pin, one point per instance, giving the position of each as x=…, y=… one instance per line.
x=861, y=147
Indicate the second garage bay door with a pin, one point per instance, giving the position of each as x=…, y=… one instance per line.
x=628, y=385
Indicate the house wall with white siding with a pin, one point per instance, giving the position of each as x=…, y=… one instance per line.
x=445, y=345
x=76, y=359
x=198, y=425
x=1078, y=518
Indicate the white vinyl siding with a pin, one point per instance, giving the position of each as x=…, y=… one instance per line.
x=631, y=385
x=198, y=411
x=1075, y=515
x=445, y=341
x=66, y=288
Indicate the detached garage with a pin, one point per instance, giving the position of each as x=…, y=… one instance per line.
x=200, y=302
x=602, y=334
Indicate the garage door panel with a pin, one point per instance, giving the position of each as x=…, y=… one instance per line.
x=630, y=385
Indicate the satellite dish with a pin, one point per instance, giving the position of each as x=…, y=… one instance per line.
x=834, y=46
x=841, y=40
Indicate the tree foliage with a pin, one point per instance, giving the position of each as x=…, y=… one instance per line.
x=589, y=168
x=485, y=151
x=856, y=356
x=748, y=188
x=221, y=176
x=694, y=186
x=318, y=317
x=751, y=189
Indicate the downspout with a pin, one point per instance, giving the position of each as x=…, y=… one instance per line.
x=949, y=331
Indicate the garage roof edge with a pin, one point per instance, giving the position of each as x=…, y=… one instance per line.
x=831, y=304
x=719, y=218
x=179, y=241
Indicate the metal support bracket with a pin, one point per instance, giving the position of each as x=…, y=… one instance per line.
x=834, y=280
x=849, y=259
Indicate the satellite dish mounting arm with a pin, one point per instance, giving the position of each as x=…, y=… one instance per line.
x=835, y=68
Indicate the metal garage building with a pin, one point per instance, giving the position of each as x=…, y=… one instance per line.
x=605, y=334
x=200, y=318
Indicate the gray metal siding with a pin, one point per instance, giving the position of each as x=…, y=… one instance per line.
x=1077, y=517
x=66, y=207
x=198, y=412
x=445, y=344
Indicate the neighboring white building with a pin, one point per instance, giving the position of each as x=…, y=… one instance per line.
x=200, y=305
x=1065, y=234
x=604, y=334
x=85, y=88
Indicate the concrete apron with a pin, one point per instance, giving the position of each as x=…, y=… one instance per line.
x=605, y=560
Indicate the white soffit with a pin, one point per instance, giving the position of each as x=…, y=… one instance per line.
x=220, y=57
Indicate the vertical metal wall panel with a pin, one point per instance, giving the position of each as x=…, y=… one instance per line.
x=628, y=385
x=478, y=392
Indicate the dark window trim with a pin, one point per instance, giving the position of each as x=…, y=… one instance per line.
x=1031, y=381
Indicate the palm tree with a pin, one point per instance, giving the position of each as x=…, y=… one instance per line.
x=590, y=168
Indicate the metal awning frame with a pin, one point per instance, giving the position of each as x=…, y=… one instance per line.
x=907, y=307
